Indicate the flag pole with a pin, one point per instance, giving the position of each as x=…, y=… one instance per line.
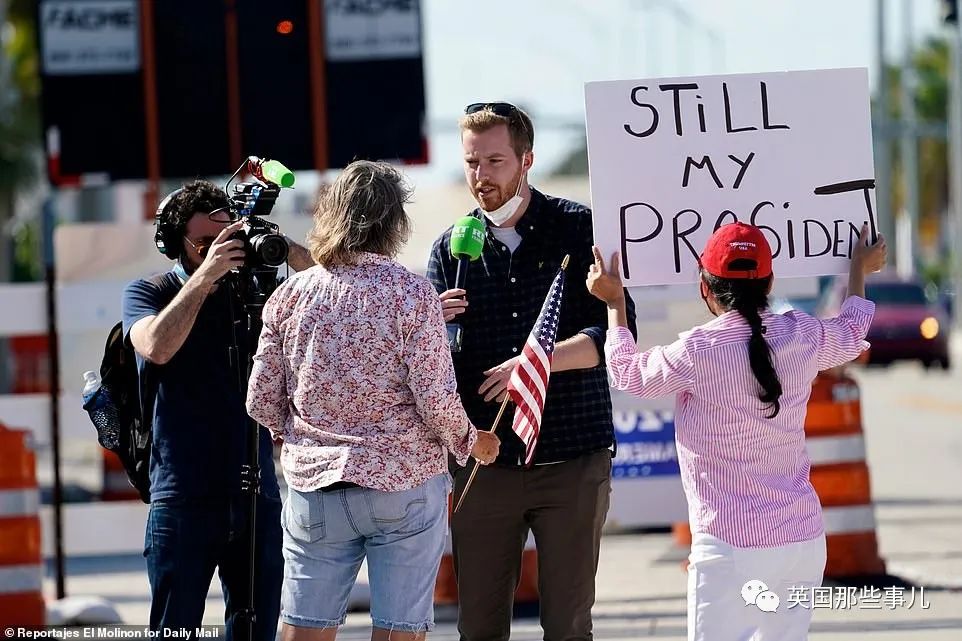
x=497, y=419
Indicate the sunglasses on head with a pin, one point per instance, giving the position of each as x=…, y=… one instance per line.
x=505, y=109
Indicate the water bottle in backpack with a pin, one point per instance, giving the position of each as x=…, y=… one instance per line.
x=102, y=411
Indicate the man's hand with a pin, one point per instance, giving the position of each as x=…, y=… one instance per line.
x=496, y=383
x=158, y=338
x=604, y=284
x=224, y=255
x=453, y=303
x=486, y=448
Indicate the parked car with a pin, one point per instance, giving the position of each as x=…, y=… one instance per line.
x=907, y=325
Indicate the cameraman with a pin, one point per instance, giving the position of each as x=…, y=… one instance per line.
x=183, y=325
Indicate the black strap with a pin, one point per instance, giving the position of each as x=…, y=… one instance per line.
x=339, y=485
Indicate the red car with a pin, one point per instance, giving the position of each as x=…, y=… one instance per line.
x=907, y=325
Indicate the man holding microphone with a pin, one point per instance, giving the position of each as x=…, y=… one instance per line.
x=563, y=496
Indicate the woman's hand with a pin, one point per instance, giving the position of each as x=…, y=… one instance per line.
x=486, y=448
x=866, y=257
x=606, y=284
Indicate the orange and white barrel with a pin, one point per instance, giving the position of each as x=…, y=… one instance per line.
x=21, y=572
x=116, y=486
x=836, y=447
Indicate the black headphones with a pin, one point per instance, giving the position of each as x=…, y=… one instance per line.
x=166, y=236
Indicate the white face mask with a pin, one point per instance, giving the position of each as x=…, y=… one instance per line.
x=504, y=213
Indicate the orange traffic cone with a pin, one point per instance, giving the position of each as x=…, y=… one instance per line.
x=21, y=574
x=840, y=476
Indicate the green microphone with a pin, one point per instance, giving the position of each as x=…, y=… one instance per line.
x=271, y=171
x=467, y=242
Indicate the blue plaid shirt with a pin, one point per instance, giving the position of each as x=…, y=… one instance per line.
x=505, y=294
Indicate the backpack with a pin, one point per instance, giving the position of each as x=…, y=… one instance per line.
x=122, y=410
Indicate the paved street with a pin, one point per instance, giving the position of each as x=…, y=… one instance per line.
x=913, y=425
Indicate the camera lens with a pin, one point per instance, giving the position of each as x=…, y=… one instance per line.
x=271, y=249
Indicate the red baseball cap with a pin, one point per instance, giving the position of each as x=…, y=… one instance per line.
x=737, y=242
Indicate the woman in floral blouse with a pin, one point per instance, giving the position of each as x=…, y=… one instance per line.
x=354, y=373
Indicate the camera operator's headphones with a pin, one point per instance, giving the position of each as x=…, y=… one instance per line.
x=166, y=237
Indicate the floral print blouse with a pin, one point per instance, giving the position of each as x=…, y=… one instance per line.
x=354, y=373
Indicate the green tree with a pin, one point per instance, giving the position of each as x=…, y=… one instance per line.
x=19, y=116
x=19, y=143
x=932, y=66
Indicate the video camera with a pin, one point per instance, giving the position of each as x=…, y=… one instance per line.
x=264, y=246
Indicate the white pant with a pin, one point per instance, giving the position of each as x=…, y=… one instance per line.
x=717, y=574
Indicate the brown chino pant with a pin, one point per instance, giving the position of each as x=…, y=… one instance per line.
x=564, y=505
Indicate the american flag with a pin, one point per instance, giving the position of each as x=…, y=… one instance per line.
x=528, y=384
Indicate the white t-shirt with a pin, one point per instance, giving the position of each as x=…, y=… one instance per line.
x=508, y=236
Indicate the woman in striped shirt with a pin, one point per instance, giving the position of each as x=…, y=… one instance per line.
x=756, y=522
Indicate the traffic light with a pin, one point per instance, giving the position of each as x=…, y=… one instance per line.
x=313, y=83
x=275, y=82
x=371, y=105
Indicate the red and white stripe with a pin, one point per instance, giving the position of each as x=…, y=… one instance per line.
x=746, y=476
x=528, y=388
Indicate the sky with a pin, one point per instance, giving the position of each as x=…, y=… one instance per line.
x=539, y=53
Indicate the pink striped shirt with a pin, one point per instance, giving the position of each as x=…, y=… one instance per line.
x=746, y=477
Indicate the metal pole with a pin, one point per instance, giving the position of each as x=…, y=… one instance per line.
x=683, y=39
x=883, y=156
x=6, y=98
x=718, y=51
x=53, y=345
x=316, y=44
x=624, y=53
x=151, y=117
x=685, y=25
x=955, y=167
x=909, y=148
x=653, y=42
x=7, y=206
x=232, y=74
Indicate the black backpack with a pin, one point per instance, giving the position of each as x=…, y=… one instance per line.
x=122, y=410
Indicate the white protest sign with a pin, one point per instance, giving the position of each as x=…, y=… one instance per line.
x=671, y=159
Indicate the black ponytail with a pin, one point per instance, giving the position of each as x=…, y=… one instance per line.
x=748, y=297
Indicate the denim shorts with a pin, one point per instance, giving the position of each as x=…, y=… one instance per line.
x=328, y=534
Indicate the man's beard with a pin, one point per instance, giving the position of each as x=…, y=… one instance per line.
x=501, y=194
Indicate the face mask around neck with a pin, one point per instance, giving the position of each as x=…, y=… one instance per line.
x=504, y=213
